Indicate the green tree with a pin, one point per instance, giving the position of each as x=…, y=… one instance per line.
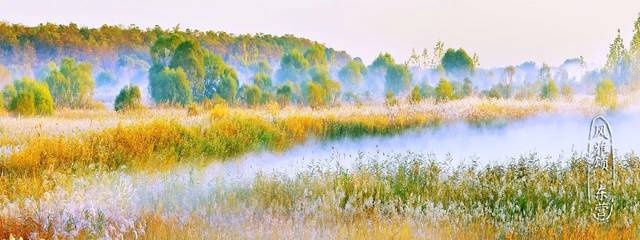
x=330, y=88
x=8, y=93
x=28, y=97
x=545, y=73
x=71, y=84
x=606, y=95
x=220, y=78
x=617, y=59
x=190, y=57
x=616, y=53
x=163, y=48
x=315, y=55
x=438, y=52
x=397, y=79
x=567, y=91
x=467, y=88
x=262, y=80
x=169, y=86
x=634, y=51
x=457, y=63
x=314, y=94
x=251, y=95
x=509, y=72
x=426, y=90
x=262, y=67
x=416, y=95
x=549, y=90
x=129, y=98
x=381, y=63
x=284, y=94
x=293, y=67
x=390, y=99
x=444, y=90
x=352, y=73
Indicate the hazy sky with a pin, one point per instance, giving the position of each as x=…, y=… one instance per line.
x=502, y=32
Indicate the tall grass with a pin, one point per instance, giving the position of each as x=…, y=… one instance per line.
x=385, y=196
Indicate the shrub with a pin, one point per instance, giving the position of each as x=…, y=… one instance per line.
x=606, y=95
x=129, y=98
x=390, y=99
x=444, y=90
x=27, y=97
x=416, y=95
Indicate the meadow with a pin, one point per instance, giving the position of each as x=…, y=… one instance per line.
x=96, y=174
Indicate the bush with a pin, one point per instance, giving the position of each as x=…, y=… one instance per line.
x=416, y=95
x=129, y=98
x=606, y=95
x=444, y=90
x=27, y=97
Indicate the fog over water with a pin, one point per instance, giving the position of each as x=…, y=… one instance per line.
x=553, y=138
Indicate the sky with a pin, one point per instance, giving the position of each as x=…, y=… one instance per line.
x=501, y=32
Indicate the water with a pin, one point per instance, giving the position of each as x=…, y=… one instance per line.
x=551, y=137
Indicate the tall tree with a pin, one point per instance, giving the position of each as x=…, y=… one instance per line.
x=293, y=67
x=352, y=73
x=188, y=55
x=444, y=90
x=617, y=59
x=220, y=78
x=315, y=55
x=381, y=63
x=457, y=63
x=397, y=79
x=509, y=72
x=169, y=86
x=163, y=48
x=438, y=52
x=634, y=52
x=71, y=84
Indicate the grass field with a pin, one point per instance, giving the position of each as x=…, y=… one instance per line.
x=92, y=174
